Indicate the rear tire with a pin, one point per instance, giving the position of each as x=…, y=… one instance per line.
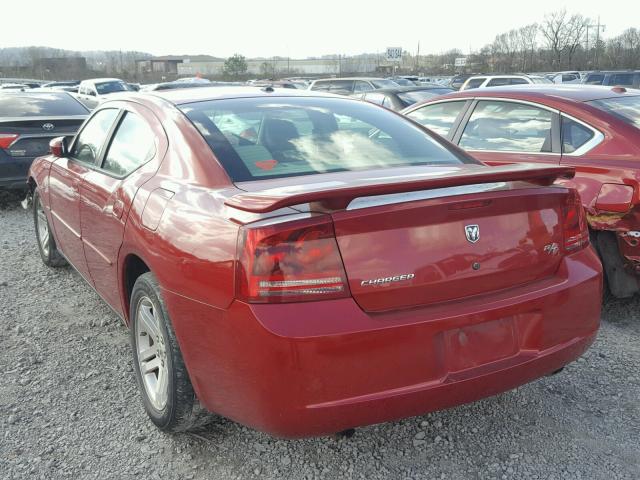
x=618, y=281
x=49, y=252
x=162, y=377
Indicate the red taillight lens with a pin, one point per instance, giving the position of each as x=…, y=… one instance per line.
x=290, y=262
x=6, y=139
x=575, y=228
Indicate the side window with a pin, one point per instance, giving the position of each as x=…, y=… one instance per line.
x=474, y=83
x=574, y=135
x=595, y=79
x=568, y=78
x=377, y=98
x=498, y=82
x=518, y=81
x=90, y=140
x=133, y=145
x=361, y=86
x=623, y=79
x=508, y=126
x=438, y=117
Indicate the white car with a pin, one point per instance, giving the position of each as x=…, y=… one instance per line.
x=91, y=92
x=483, y=81
x=565, y=77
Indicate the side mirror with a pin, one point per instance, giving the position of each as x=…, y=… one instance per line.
x=58, y=147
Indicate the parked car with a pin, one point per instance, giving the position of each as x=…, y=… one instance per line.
x=401, y=97
x=565, y=77
x=304, y=263
x=28, y=122
x=484, y=81
x=402, y=81
x=351, y=85
x=14, y=86
x=594, y=129
x=624, y=78
x=93, y=91
x=67, y=83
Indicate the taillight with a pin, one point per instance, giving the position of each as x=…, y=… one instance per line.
x=290, y=262
x=575, y=228
x=6, y=139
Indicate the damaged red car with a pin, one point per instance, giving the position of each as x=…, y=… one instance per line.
x=594, y=129
x=305, y=264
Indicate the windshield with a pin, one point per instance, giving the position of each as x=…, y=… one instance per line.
x=625, y=108
x=39, y=104
x=111, y=87
x=383, y=83
x=257, y=138
x=409, y=98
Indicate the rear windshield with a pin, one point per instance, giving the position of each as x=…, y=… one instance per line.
x=383, y=83
x=39, y=104
x=256, y=138
x=409, y=98
x=111, y=87
x=625, y=108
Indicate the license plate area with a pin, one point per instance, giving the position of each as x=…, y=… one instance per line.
x=481, y=344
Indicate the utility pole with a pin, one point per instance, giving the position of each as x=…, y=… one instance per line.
x=597, y=26
x=418, y=58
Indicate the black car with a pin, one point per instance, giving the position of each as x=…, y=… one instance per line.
x=401, y=97
x=28, y=122
x=620, y=78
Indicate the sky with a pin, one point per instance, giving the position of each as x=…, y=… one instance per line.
x=296, y=29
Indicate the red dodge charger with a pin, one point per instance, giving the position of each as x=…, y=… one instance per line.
x=304, y=263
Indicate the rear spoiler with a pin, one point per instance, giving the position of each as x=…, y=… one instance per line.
x=339, y=194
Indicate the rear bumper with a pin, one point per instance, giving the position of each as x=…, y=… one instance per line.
x=298, y=370
x=14, y=171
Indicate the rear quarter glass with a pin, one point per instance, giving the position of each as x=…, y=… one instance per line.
x=258, y=138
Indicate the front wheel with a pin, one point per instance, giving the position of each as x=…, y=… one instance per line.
x=49, y=252
x=162, y=377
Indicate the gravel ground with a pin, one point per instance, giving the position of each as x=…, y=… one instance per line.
x=69, y=407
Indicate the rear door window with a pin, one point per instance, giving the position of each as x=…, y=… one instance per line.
x=508, y=126
x=439, y=117
x=574, y=135
x=498, y=82
x=132, y=146
x=517, y=81
x=91, y=138
x=361, y=86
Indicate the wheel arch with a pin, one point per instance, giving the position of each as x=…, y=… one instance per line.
x=133, y=266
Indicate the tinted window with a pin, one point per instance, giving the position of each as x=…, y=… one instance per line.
x=568, y=78
x=624, y=79
x=39, y=104
x=595, y=79
x=276, y=137
x=517, y=81
x=574, y=135
x=498, y=82
x=438, y=117
x=474, y=83
x=110, y=87
x=625, y=108
x=508, y=126
x=361, y=86
x=409, y=98
x=132, y=146
x=90, y=140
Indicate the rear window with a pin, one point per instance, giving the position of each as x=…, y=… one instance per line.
x=39, y=105
x=474, y=83
x=256, y=138
x=594, y=79
x=625, y=108
x=111, y=87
